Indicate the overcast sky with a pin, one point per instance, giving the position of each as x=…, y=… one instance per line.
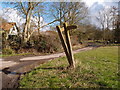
x=91, y=2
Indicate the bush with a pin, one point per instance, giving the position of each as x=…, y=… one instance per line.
x=45, y=43
x=8, y=51
x=13, y=42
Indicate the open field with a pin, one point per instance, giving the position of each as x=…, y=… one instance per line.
x=94, y=68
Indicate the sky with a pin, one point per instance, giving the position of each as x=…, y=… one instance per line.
x=89, y=3
x=94, y=6
x=98, y=6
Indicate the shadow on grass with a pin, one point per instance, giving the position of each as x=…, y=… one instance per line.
x=54, y=68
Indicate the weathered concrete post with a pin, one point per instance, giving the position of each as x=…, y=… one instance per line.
x=66, y=43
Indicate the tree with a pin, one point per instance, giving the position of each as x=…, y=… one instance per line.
x=115, y=17
x=71, y=12
x=117, y=32
x=39, y=22
x=28, y=10
x=107, y=18
x=116, y=24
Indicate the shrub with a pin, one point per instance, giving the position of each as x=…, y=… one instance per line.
x=8, y=51
x=14, y=42
x=45, y=43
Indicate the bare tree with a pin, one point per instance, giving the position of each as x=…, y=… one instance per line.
x=115, y=16
x=106, y=18
x=39, y=22
x=28, y=9
x=63, y=13
x=28, y=14
x=71, y=12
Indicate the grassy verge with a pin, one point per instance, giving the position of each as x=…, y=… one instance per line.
x=94, y=68
x=4, y=55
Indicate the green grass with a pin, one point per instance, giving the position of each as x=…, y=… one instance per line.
x=4, y=55
x=96, y=68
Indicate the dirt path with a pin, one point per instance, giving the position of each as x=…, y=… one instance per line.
x=15, y=60
x=52, y=55
x=13, y=67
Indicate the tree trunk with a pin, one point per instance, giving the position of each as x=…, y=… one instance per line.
x=27, y=27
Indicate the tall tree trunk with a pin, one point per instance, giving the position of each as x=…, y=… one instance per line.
x=39, y=23
x=27, y=27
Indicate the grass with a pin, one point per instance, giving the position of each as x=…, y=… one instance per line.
x=96, y=68
x=4, y=55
